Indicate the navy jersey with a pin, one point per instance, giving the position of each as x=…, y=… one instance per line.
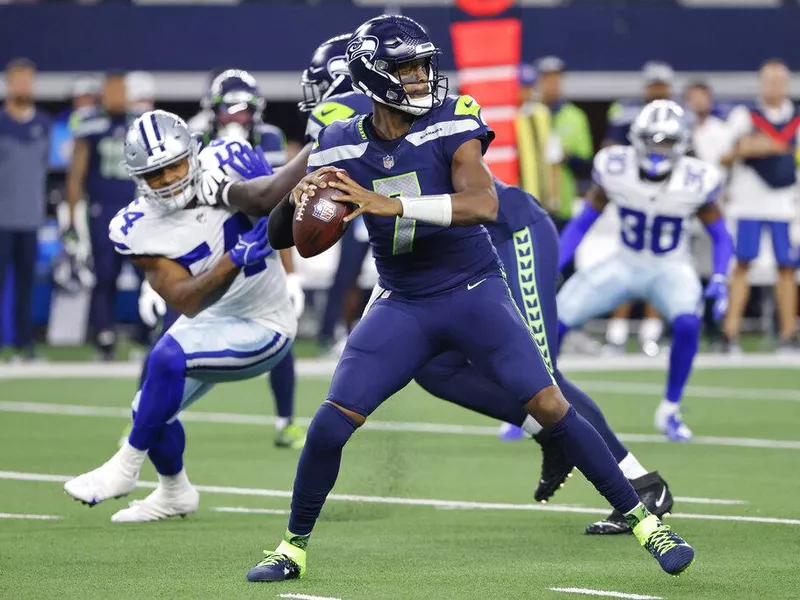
x=107, y=182
x=414, y=258
x=336, y=108
x=518, y=210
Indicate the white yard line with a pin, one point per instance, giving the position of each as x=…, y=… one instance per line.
x=253, y=511
x=718, y=501
x=306, y=597
x=80, y=410
x=312, y=367
x=588, y=592
x=31, y=517
x=450, y=504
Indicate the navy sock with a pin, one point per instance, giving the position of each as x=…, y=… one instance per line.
x=162, y=393
x=588, y=409
x=281, y=380
x=587, y=450
x=167, y=453
x=685, y=340
x=450, y=377
x=318, y=466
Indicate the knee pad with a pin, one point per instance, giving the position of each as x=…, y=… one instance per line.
x=686, y=326
x=166, y=359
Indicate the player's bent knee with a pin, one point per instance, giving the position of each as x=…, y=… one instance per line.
x=167, y=359
x=358, y=419
x=548, y=406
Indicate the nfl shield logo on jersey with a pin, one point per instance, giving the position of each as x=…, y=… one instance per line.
x=324, y=210
x=388, y=161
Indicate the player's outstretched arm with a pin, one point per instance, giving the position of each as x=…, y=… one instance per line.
x=259, y=196
x=722, y=244
x=577, y=228
x=185, y=293
x=190, y=294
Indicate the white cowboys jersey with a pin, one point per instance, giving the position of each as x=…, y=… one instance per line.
x=655, y=217
x=198, y=238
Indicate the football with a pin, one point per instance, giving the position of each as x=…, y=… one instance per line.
x=318, y=221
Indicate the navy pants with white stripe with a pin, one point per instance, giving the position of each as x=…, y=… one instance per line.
x=186, y=363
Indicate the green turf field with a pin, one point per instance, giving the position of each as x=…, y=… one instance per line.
x=471, y=533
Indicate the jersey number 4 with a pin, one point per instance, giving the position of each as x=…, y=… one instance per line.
x=130, y=218
x=665, y=232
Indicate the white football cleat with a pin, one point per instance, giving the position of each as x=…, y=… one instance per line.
x=114, y=479
x=160, y=504
x=669, y=421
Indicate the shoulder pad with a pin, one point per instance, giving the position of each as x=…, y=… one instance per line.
x=332, y=110
x=464, y=107
x=267, y=129
x=125, y=229
x=699, y=177
x=611, y=161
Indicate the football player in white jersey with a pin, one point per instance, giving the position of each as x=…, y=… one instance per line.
x=657, y=190
x=217, y=269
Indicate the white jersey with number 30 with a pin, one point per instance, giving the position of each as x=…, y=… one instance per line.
x=198, y=238
x=655, y=217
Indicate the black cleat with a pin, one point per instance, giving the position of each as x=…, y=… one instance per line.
x=556, y=469
x=655, y=495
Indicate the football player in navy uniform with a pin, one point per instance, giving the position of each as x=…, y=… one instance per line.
x=522, y=231
x=236, y=109
x=417, y=174
x=96, y=171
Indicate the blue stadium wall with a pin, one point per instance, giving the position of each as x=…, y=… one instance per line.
x=278, y=36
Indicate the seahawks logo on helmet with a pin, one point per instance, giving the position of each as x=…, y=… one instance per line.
x=365, y=46
x=338, y=66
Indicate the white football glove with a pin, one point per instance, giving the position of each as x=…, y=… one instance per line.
x=214, y=187
x=151, y=305
x=296, y=293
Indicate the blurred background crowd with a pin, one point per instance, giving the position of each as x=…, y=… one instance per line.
x=74, y=76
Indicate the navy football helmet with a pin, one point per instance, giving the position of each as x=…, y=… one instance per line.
x=235, y=99
x=378, y=53
x=327, y=74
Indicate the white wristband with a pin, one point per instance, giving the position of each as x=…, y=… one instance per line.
x=437, y=210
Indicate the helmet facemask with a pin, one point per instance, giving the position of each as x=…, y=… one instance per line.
x=401, y=73
x=177, y=195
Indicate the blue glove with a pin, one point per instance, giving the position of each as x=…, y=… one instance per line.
x=717, y=289
x=252, y=246
x=249, y=163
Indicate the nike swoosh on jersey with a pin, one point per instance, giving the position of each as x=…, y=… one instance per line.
x=472, y=286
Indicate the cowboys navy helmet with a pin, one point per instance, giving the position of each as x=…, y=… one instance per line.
x=157, y=140
x=235, y=99
x=661, y=135
x=380, y=48
x=327, y=73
